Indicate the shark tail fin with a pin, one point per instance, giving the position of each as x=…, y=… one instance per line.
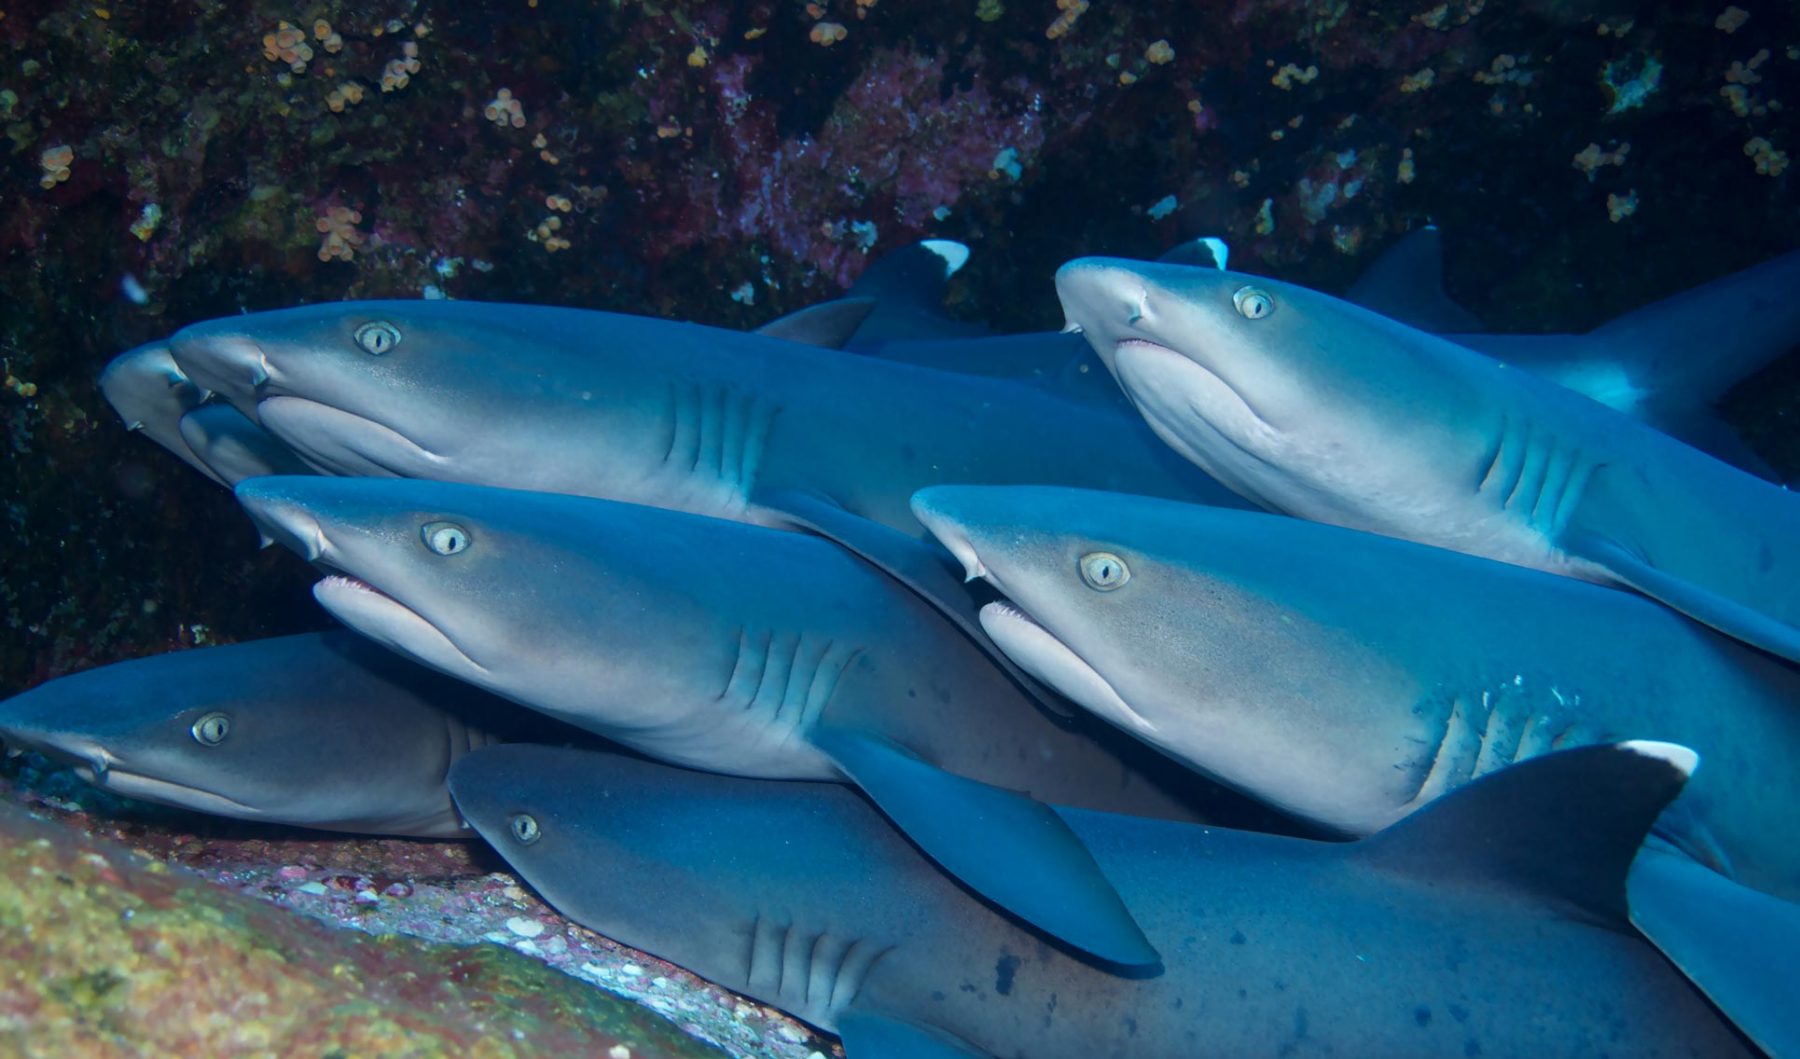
x=1735, y=944
x=1564, y=826
x=1407, y=284
x=1688, y=349
x=827, y=324
x=1013, y=850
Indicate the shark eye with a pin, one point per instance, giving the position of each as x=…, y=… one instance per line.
x=525, y=829
x=1253, y=303
x=211, y=729
x=445, y=538
x=377, y=337
x=1104, y=571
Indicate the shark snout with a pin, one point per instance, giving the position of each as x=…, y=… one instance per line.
x=283, y=515
x=934, y=508
x=223, y=359
x=1107, y=299
x=85, y=754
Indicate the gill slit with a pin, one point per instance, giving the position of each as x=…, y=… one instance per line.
x=1478, y=734
x=824, y=971
x=1535, y=475
x=785, y=679
x=717, y=433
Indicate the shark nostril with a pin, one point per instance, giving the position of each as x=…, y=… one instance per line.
x=1137, y=308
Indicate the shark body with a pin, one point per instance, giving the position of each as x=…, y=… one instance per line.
x=734, y=648
x=1432, y=944
x=1314, y=407
x=321, y=730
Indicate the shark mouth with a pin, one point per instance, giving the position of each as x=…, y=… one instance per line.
x=181, y=796
x=345, y=443
x=388, y=621
x=99, y=767
x=1216, y=392
x=1040, y=653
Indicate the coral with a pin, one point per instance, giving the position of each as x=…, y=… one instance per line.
x=338, y=225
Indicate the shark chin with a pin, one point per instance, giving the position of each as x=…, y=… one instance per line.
x=391, y=623
x=1050, y=660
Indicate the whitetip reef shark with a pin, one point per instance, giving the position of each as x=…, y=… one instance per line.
x=691, y=418
x=736, y=648
x=1314, y=407
x=1350, y=679
x=1665, y=364
x=1428, y=939
x=320, y=730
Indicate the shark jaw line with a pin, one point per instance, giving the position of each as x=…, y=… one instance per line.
x=388, y=621
x=1040, y=653
x=180, y=795
x=100, y=767
x=373, y=442
x=1212, y=381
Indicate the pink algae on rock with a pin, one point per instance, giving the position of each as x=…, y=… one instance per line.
x=105, y=952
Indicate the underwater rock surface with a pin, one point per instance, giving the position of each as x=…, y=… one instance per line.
x=123, y=933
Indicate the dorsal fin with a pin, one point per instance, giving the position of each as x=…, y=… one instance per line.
x=1407, y=284
x=908, y=286
x=828, y=324
x=1206, y=251
x=1564, y=826
x=915, y=273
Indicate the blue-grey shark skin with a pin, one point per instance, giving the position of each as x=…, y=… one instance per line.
x=1668, y=363
x=650, y=411
x=1467, y=930
x=1350, y=678
x=710, y=644
x=151, y=394
x=1406, y=282
x=321, y=730
x=1665, y=364
x=653, y=412
x=233, y=448
x=1314, y=407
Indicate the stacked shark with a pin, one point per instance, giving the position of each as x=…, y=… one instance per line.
x=558, y=531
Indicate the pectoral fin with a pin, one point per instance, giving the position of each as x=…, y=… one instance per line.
x=1730, y=617
x=1016, y=852
x=1737, y=945
x=871, y=1036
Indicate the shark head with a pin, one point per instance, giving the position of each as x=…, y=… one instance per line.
x=740, y=867
x=585, y=828
x=150, y=393
x=1289, y=396
x=1167, y=620
x=404, y=389
x=300, y=730
x=573, y=606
